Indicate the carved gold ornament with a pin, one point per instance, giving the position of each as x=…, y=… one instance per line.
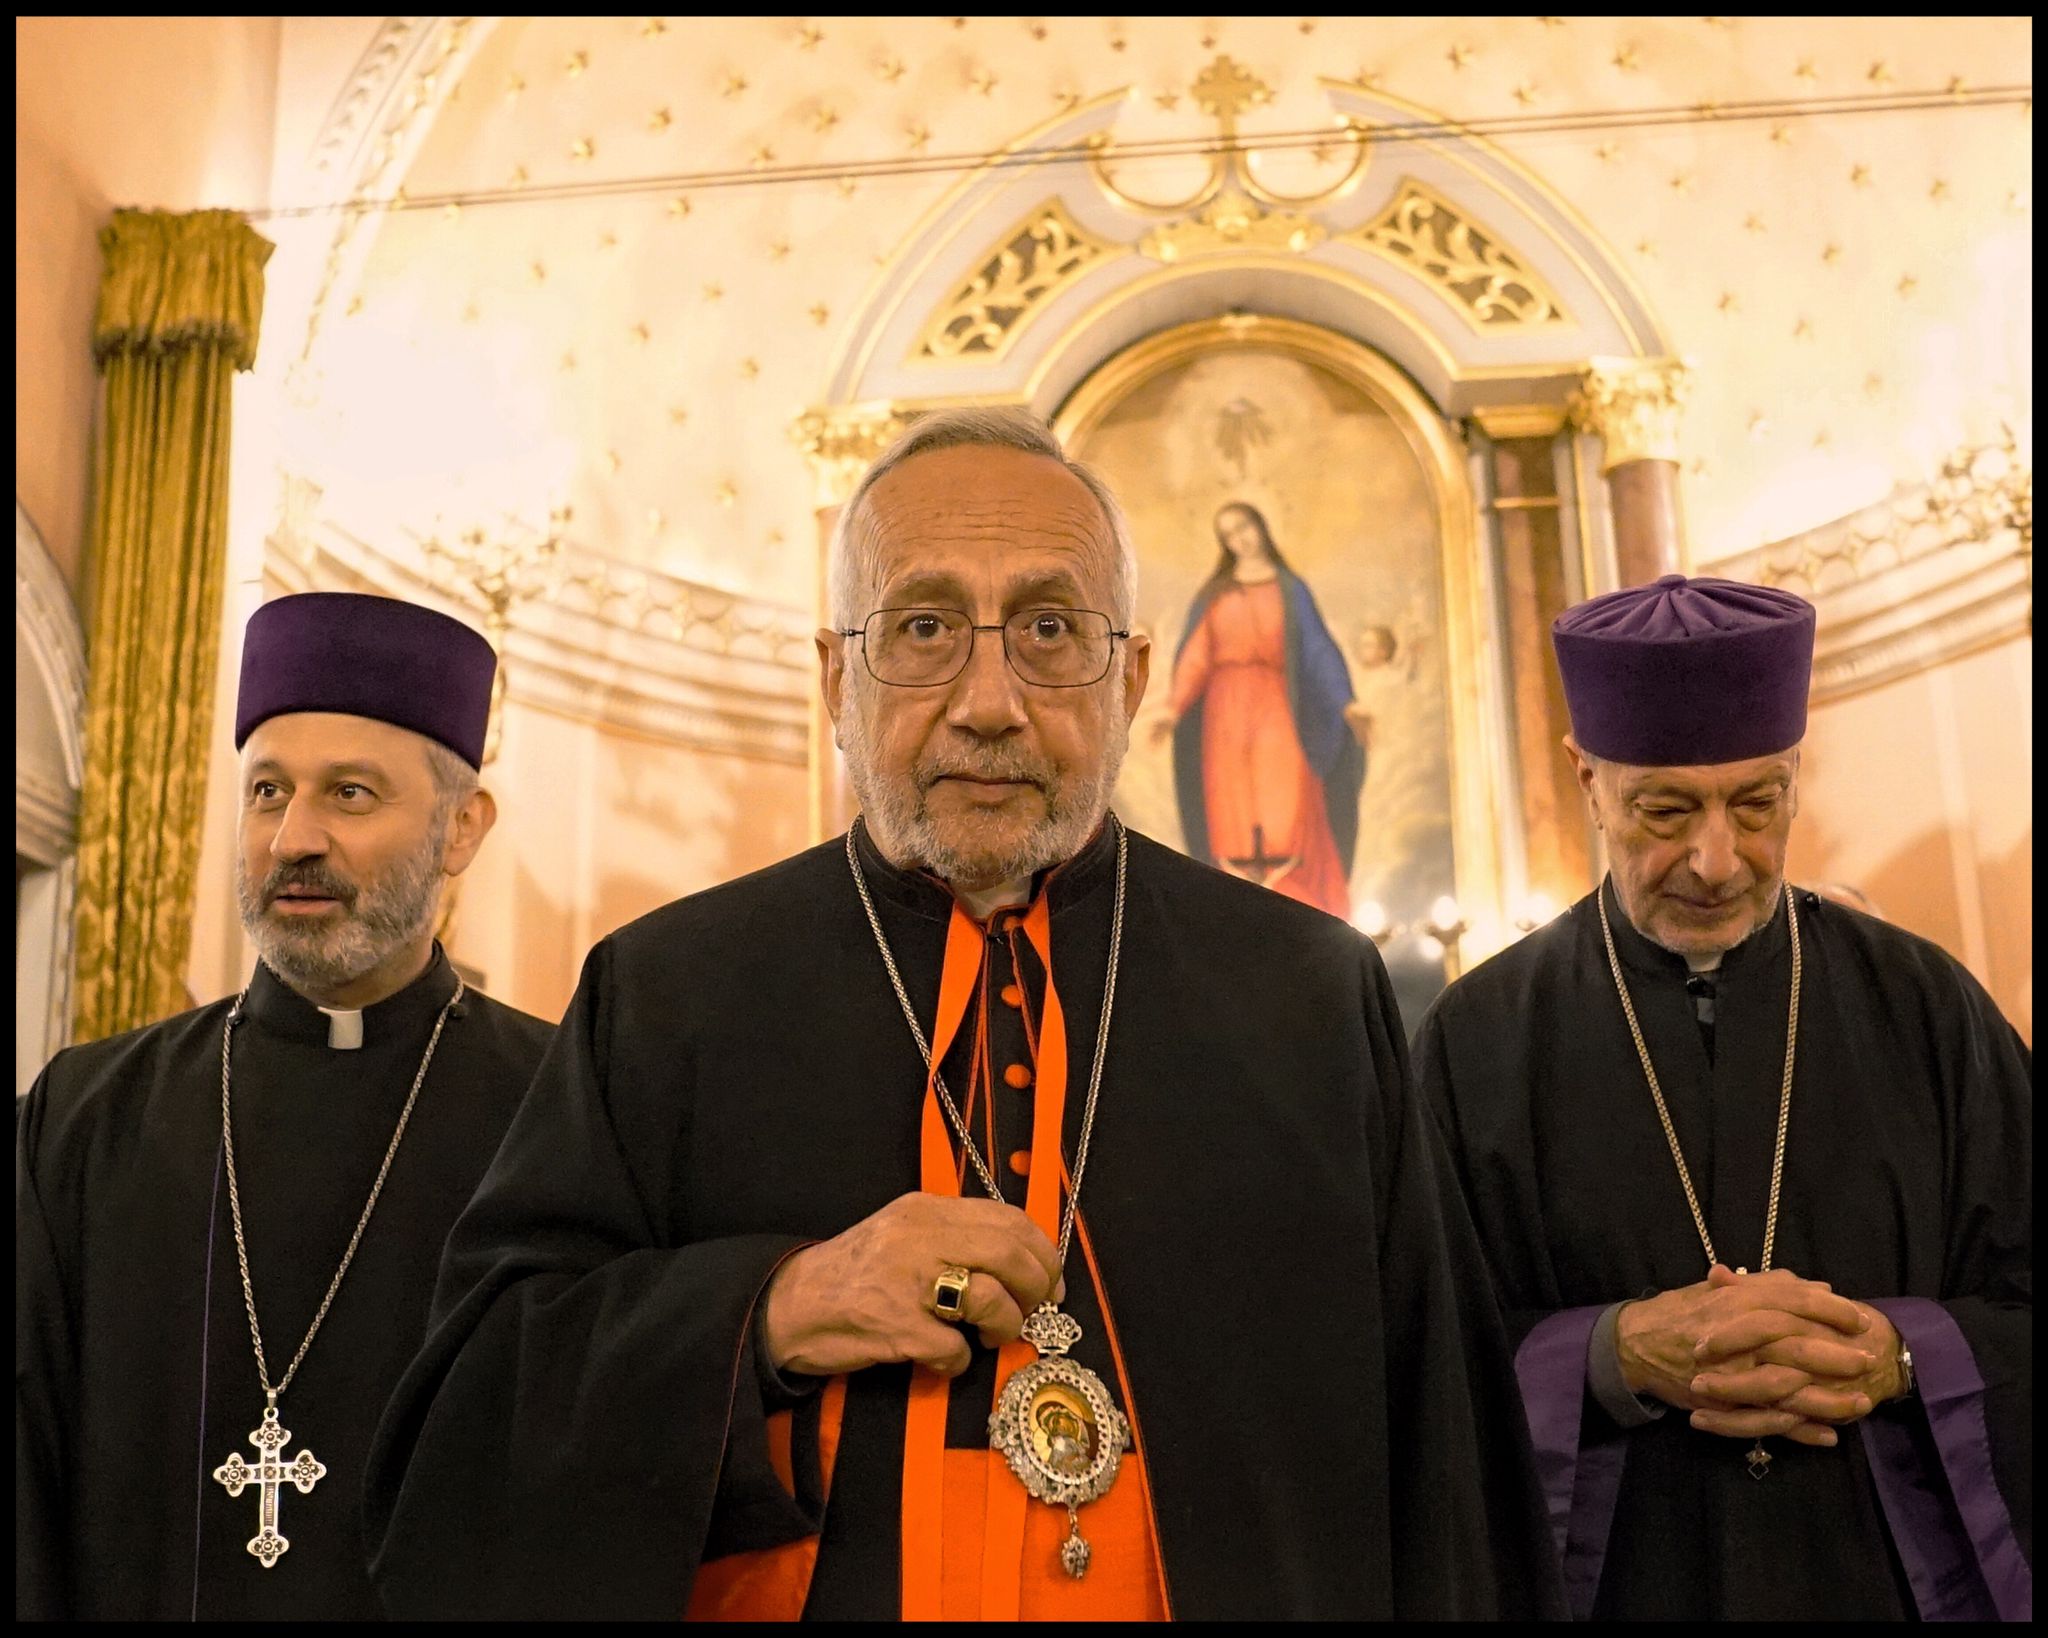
x=1633, y=405
x=843, y=443
x=1491, y=287
x=1029, y=265
x=1231, y=222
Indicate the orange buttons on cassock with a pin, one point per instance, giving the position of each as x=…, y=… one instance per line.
x=1020, y=1162
x=1012, y=996
x=1017, y=1075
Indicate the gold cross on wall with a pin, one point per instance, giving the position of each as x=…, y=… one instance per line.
x=1224, y=90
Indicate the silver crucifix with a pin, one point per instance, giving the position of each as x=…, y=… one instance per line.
x=303, y=1471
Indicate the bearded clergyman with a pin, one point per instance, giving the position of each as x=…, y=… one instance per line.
x=988, y=1214
x=1753, y=1171
x=227, y=1223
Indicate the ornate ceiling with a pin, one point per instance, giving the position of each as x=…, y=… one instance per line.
x=1853, y=290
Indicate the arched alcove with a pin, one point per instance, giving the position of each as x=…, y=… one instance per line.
x=49, y=765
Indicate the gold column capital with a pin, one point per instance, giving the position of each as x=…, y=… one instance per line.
x=842, y=441
x=1633, y=405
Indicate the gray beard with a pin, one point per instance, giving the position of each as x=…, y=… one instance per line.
x=905, y=831
x=381, y=917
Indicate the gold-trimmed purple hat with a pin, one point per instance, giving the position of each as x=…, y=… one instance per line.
x=367, y=657
x=1686, y=672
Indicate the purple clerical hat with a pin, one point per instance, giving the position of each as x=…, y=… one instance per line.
x=1686, y=672
x=367, y=657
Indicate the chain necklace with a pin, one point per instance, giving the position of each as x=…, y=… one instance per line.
x=1055, y=1422
x=270, y=1472
x=1759, y=1458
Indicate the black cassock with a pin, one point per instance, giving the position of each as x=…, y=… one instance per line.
x=1907, y=1183
x=1328, y=1418
x=134, y=1373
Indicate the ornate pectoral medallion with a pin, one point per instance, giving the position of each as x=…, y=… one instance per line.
x=1058, y=1428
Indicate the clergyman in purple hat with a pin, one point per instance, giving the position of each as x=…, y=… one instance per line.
x=227, y=1224
x=1752, y=1170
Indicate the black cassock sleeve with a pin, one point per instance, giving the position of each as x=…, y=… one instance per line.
x=1470, y=1540
x=586, y=1424
x=45, y=1365
x=1988, y=1265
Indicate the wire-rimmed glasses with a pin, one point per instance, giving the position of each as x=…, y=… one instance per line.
x=1049, y=648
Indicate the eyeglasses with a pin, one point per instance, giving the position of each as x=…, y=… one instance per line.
x=1049, y=648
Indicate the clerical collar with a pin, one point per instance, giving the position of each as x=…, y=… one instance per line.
x=1647, y=956
x=406, y=1016
x=1087, y=872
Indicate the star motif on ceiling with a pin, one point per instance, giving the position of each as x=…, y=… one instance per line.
x=518, y=177
x=732, y=86
x=1759, y=424
x=1551, y=22
x=983, y=80
x=568, y=361
x=1728, y=303
x=660, y=120
x=1957, y=85
x=1708, y=109
x=1823, y=438
x=919, y=136
x=808, y=37
x=762, y=157
x=1908, y=285
x=612, y=463
x=1859, y=176
x=1607, y=152
x=820, y=313
x=1938, y=191
x=1307, y=25
x=848, y=187
x=538, y=272
x=653, y=26
x=1682, y=182
x=1460, y=54
x=824, y=119
x=714, y=292
x=1880, y=73
x=578, y=61
x=1628, y=58
x=608, y=240
x=583, y=148
x=679, y=206
x=750, y=369
x=1873, y=384
x=677, y=415
x=889, y=70
x=1806, y=71
x=1035, y=29
x=1525, y=93
x=1646, y=247
x=1370, y=79
x=1753, y=223
x=1830, y=254
x=639, y=335
x=778, y=249
x=727, y=492
x=1169, y=100
x=471, y=313
x=1117, y=42
x=1803, y=330
x=1208, y=39
x=1781, y=135
x=515, y=85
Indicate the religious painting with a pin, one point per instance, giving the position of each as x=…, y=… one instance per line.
x=1297, y=731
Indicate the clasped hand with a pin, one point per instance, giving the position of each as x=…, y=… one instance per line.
x=1752, y=1355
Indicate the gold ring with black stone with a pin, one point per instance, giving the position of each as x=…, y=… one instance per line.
x=949, y=1293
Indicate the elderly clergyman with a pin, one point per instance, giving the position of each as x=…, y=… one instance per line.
x=1149, y=1295
x=281, y=1166
x=1753, y=1171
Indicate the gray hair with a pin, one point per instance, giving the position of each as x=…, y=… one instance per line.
x=455, y=781
x=852, y=562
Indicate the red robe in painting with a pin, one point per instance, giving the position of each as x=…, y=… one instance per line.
x=1264, y=803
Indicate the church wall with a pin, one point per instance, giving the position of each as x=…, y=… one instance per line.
x=1920, y=794
x=161, y=112
x=596, y=829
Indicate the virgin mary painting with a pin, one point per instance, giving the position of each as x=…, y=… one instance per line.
x=1267, y=766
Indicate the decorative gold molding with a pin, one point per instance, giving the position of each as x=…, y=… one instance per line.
x=1633, y=406
x=842, y=441
x=1520, y=420
x=1491, y=288
x=1931, y=572
x=1024, y=269
x=1232, y=222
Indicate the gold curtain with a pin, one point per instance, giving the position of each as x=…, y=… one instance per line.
x=180, y=300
